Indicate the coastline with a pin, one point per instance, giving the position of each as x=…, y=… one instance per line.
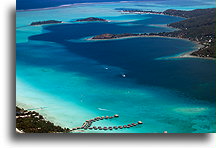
x=150, y=36
x=201, y=55
x=32, y=122
x=183, y=55
x=45, y=24
x=157, y=13
x=188, y=55
x=191, y=19
x=155, y=36
x=73, y=4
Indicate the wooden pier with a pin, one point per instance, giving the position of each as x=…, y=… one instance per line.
x=88, y=123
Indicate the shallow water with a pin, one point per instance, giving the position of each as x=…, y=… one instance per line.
x=78, y=80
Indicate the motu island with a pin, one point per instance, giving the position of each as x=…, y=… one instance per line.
x=91, y=19
x=45, y=22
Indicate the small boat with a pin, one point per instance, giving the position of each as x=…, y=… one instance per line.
x=123, y=75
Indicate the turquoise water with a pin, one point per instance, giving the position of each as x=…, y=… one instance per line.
x=78, y=80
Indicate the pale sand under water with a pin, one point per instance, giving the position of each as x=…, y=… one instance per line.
x=49, y=112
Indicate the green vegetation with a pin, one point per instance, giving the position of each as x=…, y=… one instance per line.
x=91, y=19
x=199, y=26
x=115, y=36
x=189, y=14
x=45, y=22
x=33, y=122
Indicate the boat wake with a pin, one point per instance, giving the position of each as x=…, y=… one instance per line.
x=103, y=109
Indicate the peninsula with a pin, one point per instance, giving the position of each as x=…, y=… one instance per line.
x=136, y=11
x=45, y=22
x=198, y=26
x=91, y=19
x=108, y=36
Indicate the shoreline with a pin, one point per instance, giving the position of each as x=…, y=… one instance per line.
x=123, y=12
x=188, y=55
x=141, y=36
x=183, y=55
x=45, y=24
x=206, y=41
x=72, y=4
x=30, y=121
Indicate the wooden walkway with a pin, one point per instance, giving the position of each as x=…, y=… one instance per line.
x=88, y=123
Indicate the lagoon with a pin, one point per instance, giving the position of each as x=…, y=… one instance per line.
x=77, y=80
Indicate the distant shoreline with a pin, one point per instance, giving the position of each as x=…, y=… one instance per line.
x=141, y=36
x=191, y=28
x=183, y=55
x=71, y=5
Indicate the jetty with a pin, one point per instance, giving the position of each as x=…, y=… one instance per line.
x=87, y=125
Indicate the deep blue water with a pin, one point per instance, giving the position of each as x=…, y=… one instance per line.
x=79, y=30
x=138, y=56
x=35, y=4
x=78, y=79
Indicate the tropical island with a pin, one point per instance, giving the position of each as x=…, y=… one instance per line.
x=45, y=22
x=91, y=19
x=198, y=26
x=33, y=122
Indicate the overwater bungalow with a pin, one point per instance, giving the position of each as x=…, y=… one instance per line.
x=139, y=122
x=116, y=115
x=115, y=127
x=120, y=127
